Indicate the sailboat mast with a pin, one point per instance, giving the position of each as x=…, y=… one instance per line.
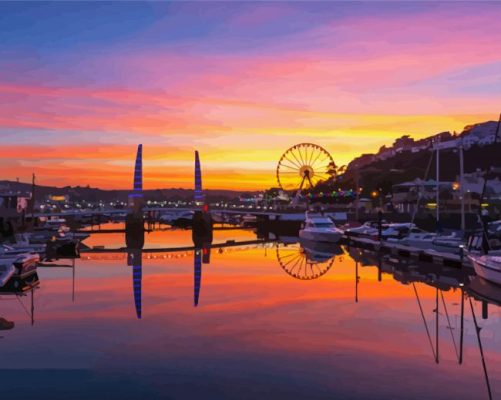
x=438, y=177
x=356, y=281
x=461, y=339
x=436, y=328
x=461, y=184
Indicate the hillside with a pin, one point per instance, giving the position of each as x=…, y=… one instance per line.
x=94, y=194
x=407, y=160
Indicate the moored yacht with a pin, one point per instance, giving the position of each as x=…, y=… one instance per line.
x=420, y=239
x=448, y=243
x=7, y=269
x=399, y=230
x=25, y=264
x=487, y=267
x=320, y=229
x=369, y=229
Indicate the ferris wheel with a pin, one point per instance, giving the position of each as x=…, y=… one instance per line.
x=304, y=163
x=301, y=264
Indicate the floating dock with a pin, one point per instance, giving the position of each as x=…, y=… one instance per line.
x=425, y=255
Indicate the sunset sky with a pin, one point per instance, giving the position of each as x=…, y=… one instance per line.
x=81, y=84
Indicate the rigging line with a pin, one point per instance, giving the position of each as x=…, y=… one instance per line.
x=477, y=329
x=482, y=195
x=449, y=324
x=462, y=329
x=424, y=320
x=419, y=193
x=23, y=306
x=436, y=326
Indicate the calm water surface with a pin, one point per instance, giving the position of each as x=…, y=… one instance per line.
x=258, y=330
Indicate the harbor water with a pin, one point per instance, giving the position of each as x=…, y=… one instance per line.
x=245, y=323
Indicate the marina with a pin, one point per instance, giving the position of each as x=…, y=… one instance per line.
x=250, y=200
x=320, y=247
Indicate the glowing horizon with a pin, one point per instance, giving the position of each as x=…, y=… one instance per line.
x=82, y=84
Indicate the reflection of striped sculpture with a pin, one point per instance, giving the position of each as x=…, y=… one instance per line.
x=135, y=259
x=197, y=274
x=137, y=276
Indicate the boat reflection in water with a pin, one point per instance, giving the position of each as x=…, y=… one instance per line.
x=20, y=288
x=261, y=311
x=443, y=279
x=134, y=239
x=310, y=260
x=202, y=234
x=484, y=291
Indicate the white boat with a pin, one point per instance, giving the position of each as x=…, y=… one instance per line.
x=320, y=229
x=319, y=251
x=420, y=239
x=24, y=264
x=398, y=230
x=487, y=267
x=368, y=229
x=448, y=244
x=7, y=270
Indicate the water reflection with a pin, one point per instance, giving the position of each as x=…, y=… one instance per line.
x=202, y=236
x=484, y=291
x=134, y=239
x=256, y=321
x=19, y=289
x=310, y=260
x=443, y=279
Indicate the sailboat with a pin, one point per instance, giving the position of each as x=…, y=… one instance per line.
x=487, y=266
x=439, y=242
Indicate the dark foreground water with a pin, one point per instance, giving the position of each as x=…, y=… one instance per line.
x=263, y=329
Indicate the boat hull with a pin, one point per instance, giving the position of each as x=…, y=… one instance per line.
x=6, y=272
x=327, y=237
x=488, y=272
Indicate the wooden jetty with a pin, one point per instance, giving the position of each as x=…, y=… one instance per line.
x=228, y=243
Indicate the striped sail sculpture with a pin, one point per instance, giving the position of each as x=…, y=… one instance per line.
x=136, y=197
x=198, y=195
